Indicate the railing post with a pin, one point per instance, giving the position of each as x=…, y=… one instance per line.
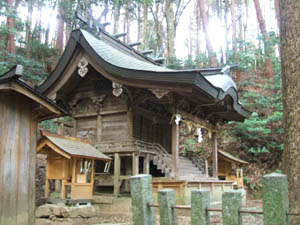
x=200, y=201
x=141, y=195
x=231, y=203
x=275, y=199
x=167, y=199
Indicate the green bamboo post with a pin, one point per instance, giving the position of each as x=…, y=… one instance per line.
x=167, y=199
x=141, y=195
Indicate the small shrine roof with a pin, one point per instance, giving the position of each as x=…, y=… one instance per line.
x=71, y=146
x=230, y=157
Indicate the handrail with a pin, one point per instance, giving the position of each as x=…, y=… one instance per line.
x=160, y=151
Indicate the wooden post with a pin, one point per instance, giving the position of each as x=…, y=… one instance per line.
x=214, y=154
x=92, y=178
x=74, y=128
x=74, y=171
x=146, y=166
x=206, y=168
x=135, y=164
x=175, y=149
x=129, y=125
x=117, y=166
x=99, y=128
x=47, y=188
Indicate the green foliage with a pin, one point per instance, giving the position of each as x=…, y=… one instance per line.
x=49, y=125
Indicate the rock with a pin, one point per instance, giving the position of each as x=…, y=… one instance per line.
x=44, y=211
x=87, y=211
x=69, y=212
x=57, y=210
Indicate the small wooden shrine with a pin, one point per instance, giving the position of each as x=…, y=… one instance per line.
x=230, y=168
x=131, y=107
x=70, y=160
x=21, y=107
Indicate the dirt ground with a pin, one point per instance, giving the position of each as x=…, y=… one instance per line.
x=126, y=219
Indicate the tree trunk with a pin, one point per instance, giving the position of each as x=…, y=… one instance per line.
x=139, y=23
x=170, y=32
x=157, y=27
x=116, y=16
x=233, y=28
x=198, y=22
x=145, y=26
x=276, y=5
x=28, y=28
x=211, y=55
x=290, y=45
x=126, y=25
x=60, y=28
x=11, y=46
x=266, y=39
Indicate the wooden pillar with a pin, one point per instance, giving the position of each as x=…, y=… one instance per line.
x=175, y=149
x=92, y=178
x=99, y=128
x=242, y=177
x=47, y=188
x=214, y=154
x=146, y=166
x=117, y=166
x=129, y=126
x=206, y=168
x=74, y=171
x=135, y=164
x=74, y=128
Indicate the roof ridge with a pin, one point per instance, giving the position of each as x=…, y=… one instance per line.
x=45, y=134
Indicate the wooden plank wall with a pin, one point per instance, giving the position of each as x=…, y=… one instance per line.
x=145, y=130
x=17, y=160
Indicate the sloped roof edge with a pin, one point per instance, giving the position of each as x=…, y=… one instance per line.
x=154, y=74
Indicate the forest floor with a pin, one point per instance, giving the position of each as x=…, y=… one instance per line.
x=126, y=219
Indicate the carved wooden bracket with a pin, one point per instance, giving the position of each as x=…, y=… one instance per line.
x=82, y=71
x=159, y=93
x=117, y=89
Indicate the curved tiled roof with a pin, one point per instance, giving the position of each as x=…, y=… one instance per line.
x=125, y=63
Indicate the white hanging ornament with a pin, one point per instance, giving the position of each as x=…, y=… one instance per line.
x=177, y=118
x=200, y=138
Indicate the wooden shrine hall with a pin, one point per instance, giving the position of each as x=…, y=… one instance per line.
x=230, y=168
x=71, y=161
x=131, y=107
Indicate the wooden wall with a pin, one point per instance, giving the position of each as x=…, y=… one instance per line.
x=17, y=160
x=145, y=130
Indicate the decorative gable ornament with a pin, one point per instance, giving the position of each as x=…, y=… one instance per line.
x=117, y=89
x=82, y=71
x=159, y=93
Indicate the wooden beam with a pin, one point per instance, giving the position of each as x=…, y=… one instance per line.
x=129, y=126
x=189, y=116
x=214, y=154
x=146, y=166
x=117, y=166
x=99, y=128
x=175, y=149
